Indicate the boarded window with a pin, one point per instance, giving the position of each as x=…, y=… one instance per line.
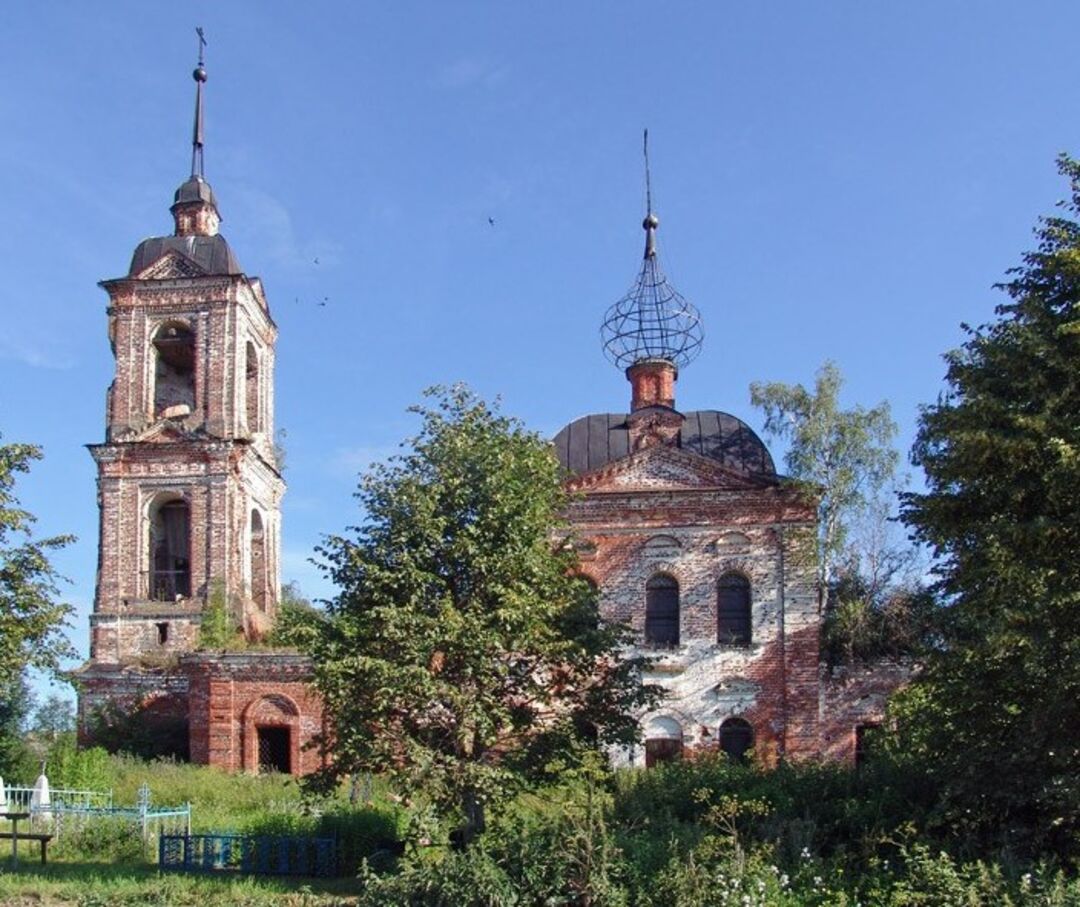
x=733, y=611
x=662, y=611
x=662, y=750
x=736, y=738
x=170, y=547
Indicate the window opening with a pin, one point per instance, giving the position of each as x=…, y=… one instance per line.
x=662, y=611
x=258, y=561
x=162, y=633
x=736, y=738
x=733, y=611
x=251, y=389
x=170, y=564
x=174, y=372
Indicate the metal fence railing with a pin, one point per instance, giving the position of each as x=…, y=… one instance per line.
x=18, y=798
x=252, y=854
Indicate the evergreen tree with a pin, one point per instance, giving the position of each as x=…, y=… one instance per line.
x=463, y=655
x=995, y=718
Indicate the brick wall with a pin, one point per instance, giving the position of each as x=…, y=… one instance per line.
x=853, y=695
x=644, y=516
x=233, y=695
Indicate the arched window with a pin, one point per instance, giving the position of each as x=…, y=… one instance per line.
x=174, y=371
x=170, y=550
x=736, y=738
x=251, y=389
x=662, y=611
x=733, y=610
x=663, y=741
x=258, y=561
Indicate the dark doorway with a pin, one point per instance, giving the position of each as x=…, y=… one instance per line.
x=274, y=750
x=736, y=738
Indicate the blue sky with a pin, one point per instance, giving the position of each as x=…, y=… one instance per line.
x=839, y=180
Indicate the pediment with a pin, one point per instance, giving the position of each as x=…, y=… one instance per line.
x=171, y=265
x=664, y=468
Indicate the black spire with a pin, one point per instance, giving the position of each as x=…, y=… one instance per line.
x=199, y=75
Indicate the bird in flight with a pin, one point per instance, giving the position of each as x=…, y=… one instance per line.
x=491, y=220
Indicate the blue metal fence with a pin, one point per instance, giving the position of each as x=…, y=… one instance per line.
x=253, y=854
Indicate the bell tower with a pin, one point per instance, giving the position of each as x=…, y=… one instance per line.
x=189, y=487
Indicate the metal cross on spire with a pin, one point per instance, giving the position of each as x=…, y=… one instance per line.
x=199, y=75
x=648, y=179
x=651, y=221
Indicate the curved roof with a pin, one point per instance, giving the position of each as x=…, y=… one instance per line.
x=210, y=253
x=195, y=189
x=594, y=441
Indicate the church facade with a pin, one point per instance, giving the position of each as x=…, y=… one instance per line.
x=680, y=520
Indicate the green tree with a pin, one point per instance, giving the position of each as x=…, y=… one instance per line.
x=463, y=655
x=53, y=718
x=298, y=621
x=16, y=759
x=995, y=717
x=843, y=458
x=32, y=621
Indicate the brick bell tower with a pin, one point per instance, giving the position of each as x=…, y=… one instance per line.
x=189, y=488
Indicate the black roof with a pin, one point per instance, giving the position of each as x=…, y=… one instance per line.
x=211, y=253
x=594, y=441
x=194, y=189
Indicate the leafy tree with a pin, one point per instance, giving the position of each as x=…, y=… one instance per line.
x=219, y=627
x=31, y=619
x=995, y=718
x=844, y=458
x=298, y=621
x=53, y=718
x=16, y=702
x=462, y=654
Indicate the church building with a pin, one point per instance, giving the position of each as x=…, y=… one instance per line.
x=680, y=519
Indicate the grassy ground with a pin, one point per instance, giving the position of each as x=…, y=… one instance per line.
x=102, y=863
x=106, y=884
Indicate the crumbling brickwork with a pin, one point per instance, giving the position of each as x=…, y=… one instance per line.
x=680, y=519
x=664, y=511
x=189, y=489
x=854, y=696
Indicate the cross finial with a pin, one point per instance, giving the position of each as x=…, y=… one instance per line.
x=648, y=180
x=202, y=42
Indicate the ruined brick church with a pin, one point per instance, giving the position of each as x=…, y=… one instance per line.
x=680, y=519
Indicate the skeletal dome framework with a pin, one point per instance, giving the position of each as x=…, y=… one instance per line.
x=653, y=321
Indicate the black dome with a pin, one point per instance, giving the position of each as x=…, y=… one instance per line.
x=195, y=189
x=594, y=441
